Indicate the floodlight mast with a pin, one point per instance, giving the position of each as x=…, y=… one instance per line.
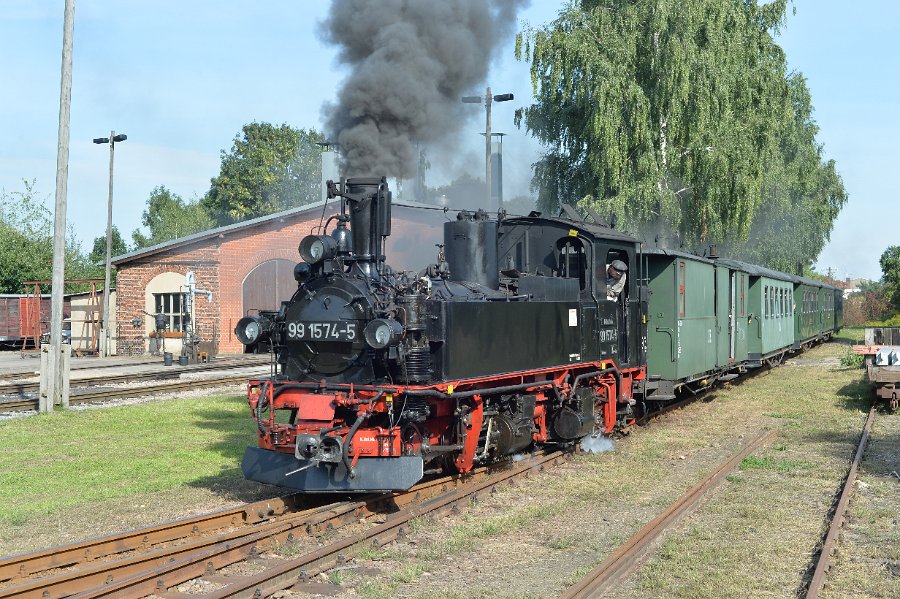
x=111, y=140
x=488, y=99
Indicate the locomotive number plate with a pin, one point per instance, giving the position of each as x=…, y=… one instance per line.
x=322, y=331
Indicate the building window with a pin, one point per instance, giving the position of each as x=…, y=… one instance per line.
x=170, y=305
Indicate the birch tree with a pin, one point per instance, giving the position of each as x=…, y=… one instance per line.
x=664, y=114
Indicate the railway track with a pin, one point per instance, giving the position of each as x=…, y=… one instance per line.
x=18, y=388
x=93, y=395
x=156, y=559
x=624, y=560
x=99, y=365
x=823, y=562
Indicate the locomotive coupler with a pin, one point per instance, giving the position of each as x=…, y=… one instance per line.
x=317, y=449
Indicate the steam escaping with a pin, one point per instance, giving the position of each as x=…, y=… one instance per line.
x=411, y=61
x=597, y=444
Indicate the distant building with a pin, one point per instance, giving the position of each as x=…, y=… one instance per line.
x=851, y=286
x=247, y=266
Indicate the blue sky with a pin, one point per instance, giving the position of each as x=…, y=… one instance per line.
x=181, y=78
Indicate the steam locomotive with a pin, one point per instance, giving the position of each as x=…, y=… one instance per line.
x=508, y=341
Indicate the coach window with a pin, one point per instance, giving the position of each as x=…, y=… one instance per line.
x=766, y=301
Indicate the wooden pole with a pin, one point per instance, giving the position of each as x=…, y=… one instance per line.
x=56, y=382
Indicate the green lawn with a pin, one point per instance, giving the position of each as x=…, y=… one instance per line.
x=69, y=458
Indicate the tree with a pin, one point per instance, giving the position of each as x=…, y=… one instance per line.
x=26, y=243
x=668, y=116
x=268, y=169
x=890, y=269
x=168, y=216
x=98, y=252
x=802, y=195
x=97, y=257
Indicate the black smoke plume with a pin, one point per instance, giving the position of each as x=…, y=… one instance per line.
x=411, y=61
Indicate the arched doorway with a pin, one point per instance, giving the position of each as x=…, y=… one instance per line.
x=267, y=285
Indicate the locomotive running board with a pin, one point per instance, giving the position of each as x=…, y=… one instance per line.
x=372, y=474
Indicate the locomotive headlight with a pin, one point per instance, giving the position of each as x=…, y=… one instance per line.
x=249, y=329
x=315, y=248
x=382, y=332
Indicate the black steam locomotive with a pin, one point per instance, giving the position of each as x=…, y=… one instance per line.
x=506, y=341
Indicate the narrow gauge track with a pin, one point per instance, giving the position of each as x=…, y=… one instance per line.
x=33, y=386
x=154, y=563
x=837, y=520
x=625, y=559
x=13, y=374
x=97, y=395
x=90, y=364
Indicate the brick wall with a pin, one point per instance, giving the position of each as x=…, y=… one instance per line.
x=202, y=258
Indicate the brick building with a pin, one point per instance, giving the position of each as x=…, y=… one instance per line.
x=246, y=266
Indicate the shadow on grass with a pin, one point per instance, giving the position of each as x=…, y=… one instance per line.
x=233, y=432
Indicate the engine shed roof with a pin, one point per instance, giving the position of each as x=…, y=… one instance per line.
x=313, y=208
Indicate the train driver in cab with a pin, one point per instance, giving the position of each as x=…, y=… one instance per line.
x=615, y=279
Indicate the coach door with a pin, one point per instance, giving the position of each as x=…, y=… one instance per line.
x=724, y=301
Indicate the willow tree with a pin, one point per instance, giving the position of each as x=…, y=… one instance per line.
x=661, y=113
x=802, y=195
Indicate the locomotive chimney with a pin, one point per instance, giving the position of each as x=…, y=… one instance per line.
x=370, y=220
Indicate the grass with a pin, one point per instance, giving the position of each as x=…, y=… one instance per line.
x=67, y=458
x=769, y=463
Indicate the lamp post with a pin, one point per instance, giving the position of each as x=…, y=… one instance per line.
x=487, y=99
x=111, y=140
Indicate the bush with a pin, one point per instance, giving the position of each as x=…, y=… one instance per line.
x=851, y=360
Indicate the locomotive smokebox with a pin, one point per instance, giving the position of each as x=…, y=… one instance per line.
x=470, y=245
x=370, y=219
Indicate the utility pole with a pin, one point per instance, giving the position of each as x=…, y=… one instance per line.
x=58, y=382
x=488, y=100
x=111, y=140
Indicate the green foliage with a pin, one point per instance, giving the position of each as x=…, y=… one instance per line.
x=851, y=360
x=802, y=195
x=26, y=243
x=268, y=169
x=890, y=269
x=168, y=216
x=119, y=247
x=672, y=116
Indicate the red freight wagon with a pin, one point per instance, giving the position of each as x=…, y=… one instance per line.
x=16, y=318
